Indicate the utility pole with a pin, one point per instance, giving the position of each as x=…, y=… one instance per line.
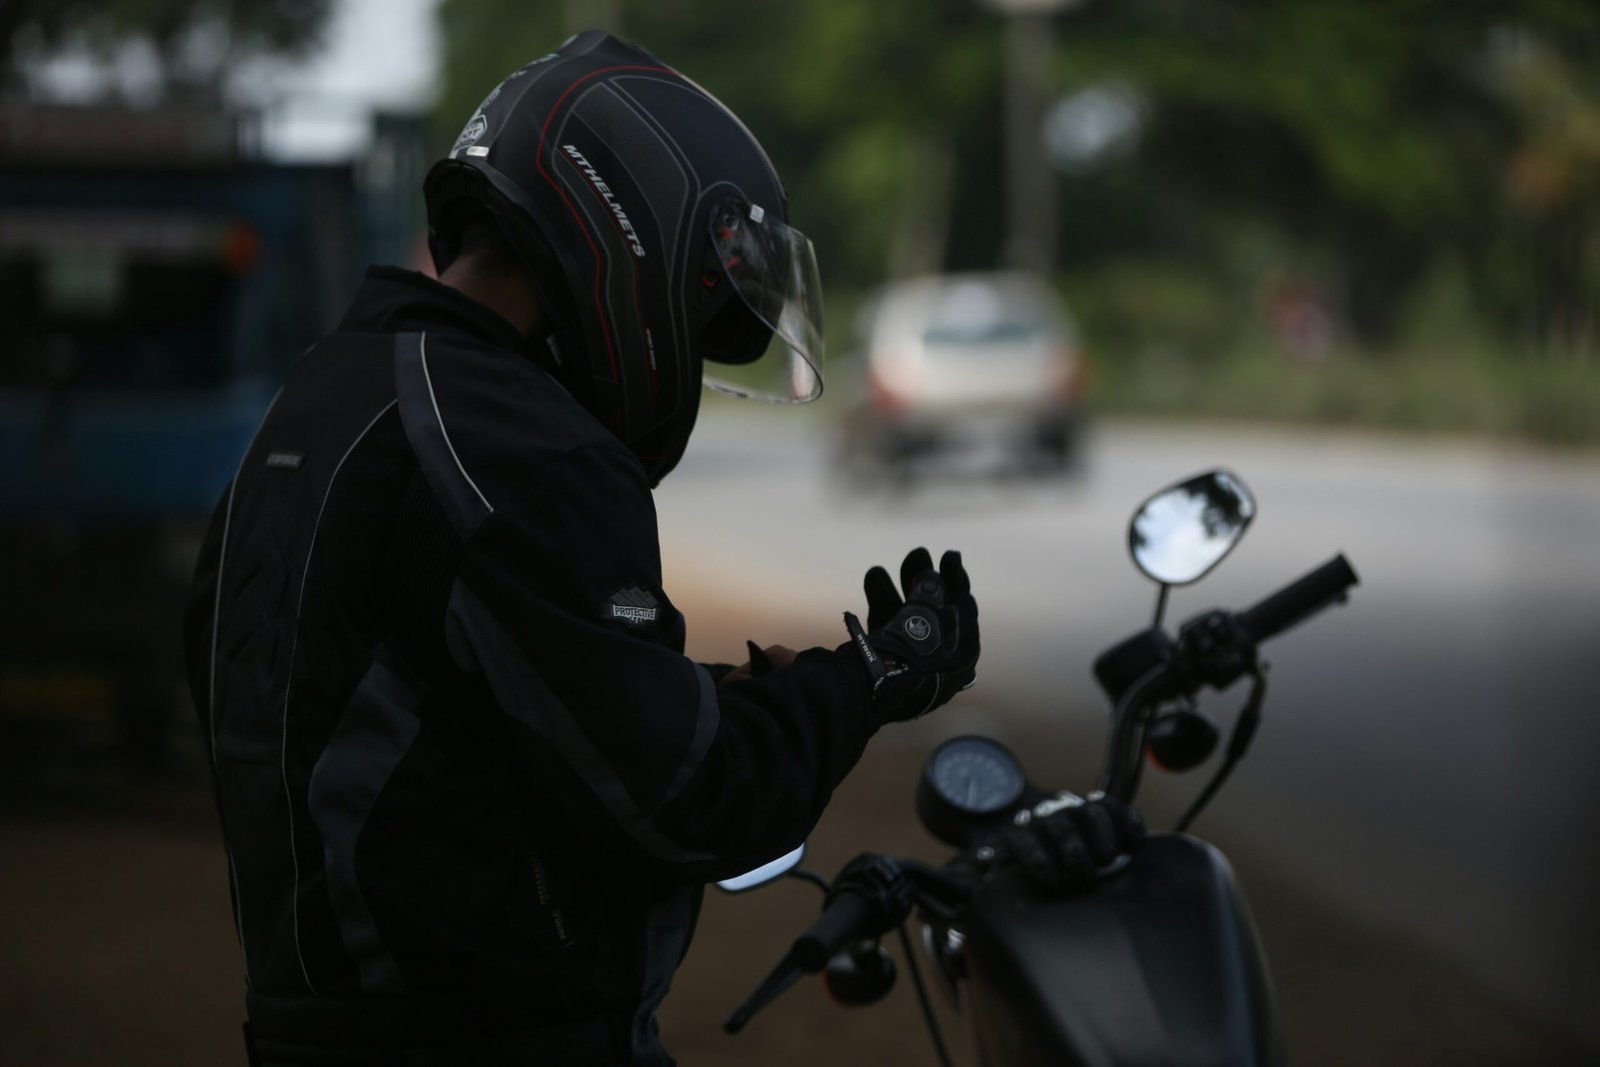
x=1030, y=180
x=594, y=15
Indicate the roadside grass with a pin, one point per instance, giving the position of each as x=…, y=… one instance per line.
x=1548, y=399
x=1440, y=381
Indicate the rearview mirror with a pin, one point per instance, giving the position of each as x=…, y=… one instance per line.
x=765, y=873
x=1179, y=534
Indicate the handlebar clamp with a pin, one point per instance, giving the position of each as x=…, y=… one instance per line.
x=870, y=897
x=1213, y=649
x=880, y=880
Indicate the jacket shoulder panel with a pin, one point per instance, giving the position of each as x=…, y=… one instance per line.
x=484, y=422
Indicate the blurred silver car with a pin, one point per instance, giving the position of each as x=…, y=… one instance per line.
x=961, y=363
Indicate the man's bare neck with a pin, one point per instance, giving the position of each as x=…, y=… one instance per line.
x=510, y=294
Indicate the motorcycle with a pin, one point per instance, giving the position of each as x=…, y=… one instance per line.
x=1154, y=956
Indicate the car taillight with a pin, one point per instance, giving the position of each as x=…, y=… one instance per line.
x=241, y=248
x=892, y=381
x=1071, y=375
x=884, y=398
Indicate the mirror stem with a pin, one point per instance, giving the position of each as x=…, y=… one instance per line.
x=1161, y=605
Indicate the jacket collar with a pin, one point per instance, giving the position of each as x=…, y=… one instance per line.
x=392, y=300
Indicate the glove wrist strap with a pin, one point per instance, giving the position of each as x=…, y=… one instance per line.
x=869, y=655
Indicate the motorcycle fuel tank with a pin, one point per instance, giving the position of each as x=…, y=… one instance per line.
x=1159, y=964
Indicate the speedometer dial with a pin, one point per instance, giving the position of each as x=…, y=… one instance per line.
x=968, y=784
x=975, y=775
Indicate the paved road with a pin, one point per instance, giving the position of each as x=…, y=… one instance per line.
x=1414, y=828
x=1426, y=764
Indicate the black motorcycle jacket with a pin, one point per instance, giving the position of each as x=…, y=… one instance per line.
x=469, y=784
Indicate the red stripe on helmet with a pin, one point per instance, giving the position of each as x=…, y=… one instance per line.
x=538, y=159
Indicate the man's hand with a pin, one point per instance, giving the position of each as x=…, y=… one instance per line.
x=762, y=661
x=1067, y=841
x=922, y=649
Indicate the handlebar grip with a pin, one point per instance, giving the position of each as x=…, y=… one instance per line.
x=1295, y=601
x=844, y=919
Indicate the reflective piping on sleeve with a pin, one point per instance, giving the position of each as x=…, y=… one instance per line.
x=211, y=685
x=705, y=728
x=447, y=476
x=222, y=558
x=665, y=942
x=216, y=607
x=288, y=688
x=525, y=697
x=422, y=348
x=373, y=736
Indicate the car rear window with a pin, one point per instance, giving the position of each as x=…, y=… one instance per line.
x=1009, y=330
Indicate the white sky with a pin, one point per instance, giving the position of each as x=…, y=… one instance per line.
x=373, y=54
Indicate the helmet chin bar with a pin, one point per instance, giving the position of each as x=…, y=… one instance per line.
x=734, y=335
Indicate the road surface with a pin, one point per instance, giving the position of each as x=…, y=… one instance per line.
x=1426, y=764
x=1414, y=827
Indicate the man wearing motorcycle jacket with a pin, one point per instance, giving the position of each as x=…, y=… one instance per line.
x=469, y=785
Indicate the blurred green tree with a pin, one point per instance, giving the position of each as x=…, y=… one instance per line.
x=1541, y=267
x=1376, y=140
x=1358, y=146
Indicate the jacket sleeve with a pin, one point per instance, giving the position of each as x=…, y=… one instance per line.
x=199, y=614
x=558, y=604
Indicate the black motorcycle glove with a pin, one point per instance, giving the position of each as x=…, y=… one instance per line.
x=922, y=649
x=1067, y=841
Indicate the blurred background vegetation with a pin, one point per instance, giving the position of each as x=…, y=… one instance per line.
x=1352, y=211
x=1361, y=211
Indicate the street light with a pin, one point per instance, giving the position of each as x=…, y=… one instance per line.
x=1030, y=186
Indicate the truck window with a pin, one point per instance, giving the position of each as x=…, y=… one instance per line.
x=124, y=302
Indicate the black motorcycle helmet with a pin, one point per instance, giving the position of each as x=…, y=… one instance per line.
x=656, y=229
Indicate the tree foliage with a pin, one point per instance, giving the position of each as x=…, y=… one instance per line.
x=1377, y=141
x=1366, y=145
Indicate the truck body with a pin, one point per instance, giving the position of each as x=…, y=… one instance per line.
x=158, y=280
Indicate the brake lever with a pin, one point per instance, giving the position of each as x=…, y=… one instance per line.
x=872, y=895
x=774, y=985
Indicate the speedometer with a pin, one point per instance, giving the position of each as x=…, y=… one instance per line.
x=975, y=775
x=967, y=782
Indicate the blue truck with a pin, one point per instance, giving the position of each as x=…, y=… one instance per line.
x=157, y=279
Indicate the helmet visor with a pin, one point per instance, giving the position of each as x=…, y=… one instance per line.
x=773, y=269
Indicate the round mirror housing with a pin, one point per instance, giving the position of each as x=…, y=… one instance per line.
x=1182, y=532
x=765, y=873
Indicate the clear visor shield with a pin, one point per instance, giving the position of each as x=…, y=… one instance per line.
x=773, y=269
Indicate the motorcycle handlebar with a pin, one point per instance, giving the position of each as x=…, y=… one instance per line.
x=871, y=896
x=1300, y=598
x=843, y=920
